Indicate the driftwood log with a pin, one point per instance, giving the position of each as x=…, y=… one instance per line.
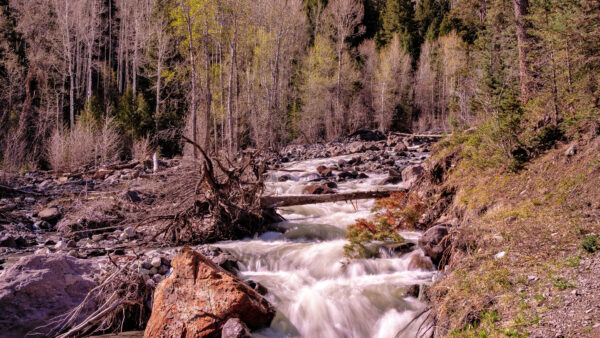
x=287, y=201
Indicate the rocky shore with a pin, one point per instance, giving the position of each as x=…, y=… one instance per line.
x=68, y=227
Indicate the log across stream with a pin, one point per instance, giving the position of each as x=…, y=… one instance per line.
x=316, y=291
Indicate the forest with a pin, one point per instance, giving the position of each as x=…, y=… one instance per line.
x=300, y=168
x=84, y=82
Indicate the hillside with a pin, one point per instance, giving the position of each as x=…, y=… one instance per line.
x=523, y=259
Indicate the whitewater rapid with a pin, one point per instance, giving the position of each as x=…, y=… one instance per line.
x=316, y=290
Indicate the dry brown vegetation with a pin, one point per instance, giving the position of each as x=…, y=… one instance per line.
x=84, y=145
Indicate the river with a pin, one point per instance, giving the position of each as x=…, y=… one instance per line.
x=316, y=291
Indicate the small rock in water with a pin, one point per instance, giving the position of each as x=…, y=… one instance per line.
x=163, y=270
x=412, y=291
x=235, y=328
x=271, y=236
x=60, y=245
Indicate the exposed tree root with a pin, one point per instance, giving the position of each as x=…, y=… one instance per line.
x=121, y=302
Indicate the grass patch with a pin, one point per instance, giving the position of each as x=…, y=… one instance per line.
x=590, y=243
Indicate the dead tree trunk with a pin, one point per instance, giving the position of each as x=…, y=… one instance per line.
x=287, y=201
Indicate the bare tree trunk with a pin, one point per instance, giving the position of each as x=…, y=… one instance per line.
x=521, y=11
x=230, y=95
x=193, y=67
x=71, y=95
x=208, y=98
x=135, y=57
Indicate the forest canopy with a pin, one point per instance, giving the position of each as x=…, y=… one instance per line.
x=127, y=76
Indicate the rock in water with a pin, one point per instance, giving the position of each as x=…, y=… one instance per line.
x=199, y=297
x=433, y=244
x=40, y=287
x=235, y=328
x=411, y=173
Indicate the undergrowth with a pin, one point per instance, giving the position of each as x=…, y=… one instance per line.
x=538, y=209
x=399, y=211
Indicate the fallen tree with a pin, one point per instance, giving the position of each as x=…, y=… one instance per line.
x=210, y=200
x=287, y=201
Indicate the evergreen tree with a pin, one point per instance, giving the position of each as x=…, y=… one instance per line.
x=398, y=18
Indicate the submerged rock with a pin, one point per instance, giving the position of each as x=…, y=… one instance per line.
x=318, y=189
x=199, y=297
x=40, y=287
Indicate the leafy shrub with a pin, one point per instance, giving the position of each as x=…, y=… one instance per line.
x=590, y=243
x=399, y=211
x=546, y=137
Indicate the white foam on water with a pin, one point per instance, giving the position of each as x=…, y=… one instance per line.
x=316, y=290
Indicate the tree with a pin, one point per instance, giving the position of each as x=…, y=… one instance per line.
x=344, y=17
x=521, y=8
x=398, y=18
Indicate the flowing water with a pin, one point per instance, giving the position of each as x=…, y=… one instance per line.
x=316, y=291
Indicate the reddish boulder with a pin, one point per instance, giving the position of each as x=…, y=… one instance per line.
x=199, y=297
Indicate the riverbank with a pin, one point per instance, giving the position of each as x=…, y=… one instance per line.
x=523, y=258
x=86, y=213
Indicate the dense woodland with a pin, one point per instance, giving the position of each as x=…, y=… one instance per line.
x=88, y=81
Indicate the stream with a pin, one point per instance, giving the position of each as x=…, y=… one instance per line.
x=316, y=291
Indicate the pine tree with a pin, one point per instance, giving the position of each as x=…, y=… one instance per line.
x=398, y=18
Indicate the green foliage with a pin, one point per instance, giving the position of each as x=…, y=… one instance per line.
x=562, y=284
x=591, y=243
x=398, y=17
x=364, y=237
x=547, y=137
x=133, y=115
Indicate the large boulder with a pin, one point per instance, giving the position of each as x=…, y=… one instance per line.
x=199, y=297
x=433, y=242
x=40, y=287
x=411, y=173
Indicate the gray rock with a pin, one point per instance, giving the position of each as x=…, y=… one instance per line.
x=572, y=150
x=433, y=244
x=156, y=262
x=163, y=270
x=40, y=287
x=235, y=328
x=49, y=214
x=129, y=232
x=60, y=245
x=411, y=173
